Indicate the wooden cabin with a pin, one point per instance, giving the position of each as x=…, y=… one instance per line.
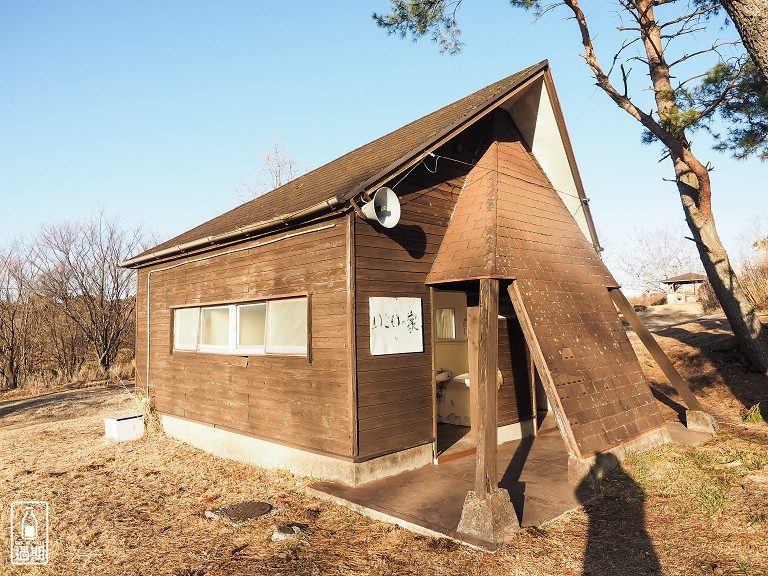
x=297, y=331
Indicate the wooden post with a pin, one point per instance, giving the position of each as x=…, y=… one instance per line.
x=486, y=480
x=653, y=347
x=543, y=370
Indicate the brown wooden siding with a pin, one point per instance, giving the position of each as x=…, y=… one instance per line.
x=293, y=400
x=395, y=394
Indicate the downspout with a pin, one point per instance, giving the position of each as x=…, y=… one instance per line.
x=208, y=257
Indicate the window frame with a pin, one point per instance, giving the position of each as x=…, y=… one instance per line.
x=174, y=348
x=215, y=347
x=286, y=350
x=233, y=345
x=250, y=349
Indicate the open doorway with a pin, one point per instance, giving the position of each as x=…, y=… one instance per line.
x=451, y=361
x=522, y=404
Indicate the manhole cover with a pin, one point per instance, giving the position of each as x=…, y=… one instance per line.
x=240, y=512
x=247, y=510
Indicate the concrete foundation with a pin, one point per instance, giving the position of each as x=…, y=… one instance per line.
x=589, y=471
x=276, y=456
x=490, y=519
x=515, y=431
x=699, y=421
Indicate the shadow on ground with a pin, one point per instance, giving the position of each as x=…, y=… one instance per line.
x=57, y=406
x=617, y=540
x=705, y=353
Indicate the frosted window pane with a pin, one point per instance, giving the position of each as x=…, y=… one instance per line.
x=287, y=326
x=445, y=325
x=215, y=323
x=252, y=324
x=186, y=323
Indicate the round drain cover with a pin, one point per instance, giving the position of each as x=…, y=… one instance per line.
x=247, y=510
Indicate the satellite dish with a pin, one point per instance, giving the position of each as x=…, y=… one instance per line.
x=384, y=208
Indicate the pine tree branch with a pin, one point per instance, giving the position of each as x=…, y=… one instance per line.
x=688, y=17
x=714, y=48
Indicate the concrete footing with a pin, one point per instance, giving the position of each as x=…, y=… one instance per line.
x=699, y=421
x=490, y=519
x=590, y=470
x=272, y=455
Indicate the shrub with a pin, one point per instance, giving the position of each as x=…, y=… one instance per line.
x=708, y=300
x=657, y=299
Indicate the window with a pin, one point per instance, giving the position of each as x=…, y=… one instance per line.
x=271, y=327
x=186, y=323
x=445, y=324
x=251, y=323
x=214, y=332
x=287, y=326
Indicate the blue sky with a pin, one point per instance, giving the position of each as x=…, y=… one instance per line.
x=153, y=110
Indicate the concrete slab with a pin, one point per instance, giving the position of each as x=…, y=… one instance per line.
x=534, y=471
x=682, y=435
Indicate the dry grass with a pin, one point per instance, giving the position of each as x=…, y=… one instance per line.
x=136, y=508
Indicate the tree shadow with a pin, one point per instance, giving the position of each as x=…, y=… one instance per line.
x=717, y=360
x=617, y=541
x=42, y=404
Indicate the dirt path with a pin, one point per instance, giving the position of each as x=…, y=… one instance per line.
x=61, y=406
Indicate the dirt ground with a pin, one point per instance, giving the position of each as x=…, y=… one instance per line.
x=137, y=507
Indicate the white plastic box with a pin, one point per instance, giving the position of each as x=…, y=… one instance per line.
x=125, y=427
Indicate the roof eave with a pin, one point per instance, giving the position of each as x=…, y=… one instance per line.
x=243, y=231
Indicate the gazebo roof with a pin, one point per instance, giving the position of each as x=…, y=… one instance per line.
x=687, y=278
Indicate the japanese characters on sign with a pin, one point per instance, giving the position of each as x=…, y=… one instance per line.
x=396, y=325
x=29, y=532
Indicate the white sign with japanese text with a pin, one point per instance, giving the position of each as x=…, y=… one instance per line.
x=396, y=325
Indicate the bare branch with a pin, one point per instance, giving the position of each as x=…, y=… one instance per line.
x=624, y=46
x=690, y=16
x=713, y=48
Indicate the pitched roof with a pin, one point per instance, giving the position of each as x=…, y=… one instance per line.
x=688, y=277
x=510, y=222
x=340, y=179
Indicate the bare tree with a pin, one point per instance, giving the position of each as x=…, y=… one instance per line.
x=678, y=108
x=66, y=344
x=277, y=167
x=16, y=315
x=754, y=261
x=651, y=255
x=79, y=272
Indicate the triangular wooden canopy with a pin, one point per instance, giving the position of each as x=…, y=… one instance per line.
x=509, y=223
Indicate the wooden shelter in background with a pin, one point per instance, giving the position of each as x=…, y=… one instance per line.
x=290, y=332
x=684, y=289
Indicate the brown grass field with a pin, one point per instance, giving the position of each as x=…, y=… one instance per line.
x=137, y=507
